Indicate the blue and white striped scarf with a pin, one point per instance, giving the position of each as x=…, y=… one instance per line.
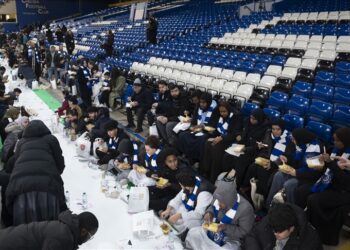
x=223, y=126
x=86, y=72
x=326, y=179
x=135, y=157
x=307, y=151
x=36, y=52
x=205, y=120
x=190, y=201
x=218, y=238
x=113, y=143
x=280, y=146
x=91, y=82
x=153, y=158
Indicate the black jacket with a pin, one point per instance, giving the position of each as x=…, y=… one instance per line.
x=175, y=106
x=212, y=121
x=48, y=59
x=99, y=130
x=304, y=237
x=121, y=135
x=144, y=98
x=38, y=164
x=53, y=235
x=70, y=43
x=234, y=127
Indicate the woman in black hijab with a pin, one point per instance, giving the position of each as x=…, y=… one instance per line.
x=227, y=128
x=191, y=142
x=254, y=129
x=328, y=204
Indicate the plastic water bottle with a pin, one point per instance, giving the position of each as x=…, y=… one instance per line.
x=84, y=201
x=67, y=195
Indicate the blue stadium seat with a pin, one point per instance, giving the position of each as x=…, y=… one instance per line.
x=341, y=95
x=320, y=111
x=324, y=77
x=342, y=68
x=260, y=68
x=248, y=107
x=341, y=115
x=278, y=100
x=302, y=88
x=279, y=60
x=323, y=131
x=297, y=105
x=293, y=121
x=342, y=81
x=272, y=114
x=322, y=92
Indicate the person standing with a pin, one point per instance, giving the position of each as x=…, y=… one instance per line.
x=34, y=59
x=108, y=45
x=70, y=43
x=83, y=76
x=52, y=62
x=152, y=29
x=35, y=191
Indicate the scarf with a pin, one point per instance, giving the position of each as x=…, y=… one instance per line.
x=280, y=145
x=218, y=238
x=223, y=126
x=86, y=72
x=113, y=143
x=326, y=179
x=153, y=158
x=306, y=151
x=106, y=83
x=135, y=157
x=90, y=84
x=189, y=203
x=207, y=114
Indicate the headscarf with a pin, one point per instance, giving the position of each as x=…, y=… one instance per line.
x=343, y=135
x=164, y=154
x=21, y=120
x=259, y=115
x=12, y=113
x=303, y=136
x=226, y=192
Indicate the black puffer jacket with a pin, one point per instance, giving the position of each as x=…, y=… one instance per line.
x=53, y=235
x=38, y=164
x=304, y=237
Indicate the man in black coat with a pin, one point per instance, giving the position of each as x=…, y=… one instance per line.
x=52, y=61
x=68, y=232
x=83, y=76
x=140, y=102
x=163, y=97
x=152, y=29
x=108, y=45
x=285, y=227
x=70, y=43
x=36, y=177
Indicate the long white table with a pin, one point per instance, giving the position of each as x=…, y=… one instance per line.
x=115, y=224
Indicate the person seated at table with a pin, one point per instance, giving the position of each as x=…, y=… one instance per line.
x=328, y=207
x=11, y=114
x=191, y=143
x=105, y=90
x=89, y=118
x=150, y=162
x=176, y=106
x=170, y=166
x=128, y=156
x=254, y=128
x=232, y=212
x=228, y=126
x=115, y=136
x=306, y=146
x=140, y=102
x=65, y=105
x=69, y=231
x=187, y=208
x=97, y=130
x=270, y=148
x=163, y=98
x=73, y=104
x=285, y=227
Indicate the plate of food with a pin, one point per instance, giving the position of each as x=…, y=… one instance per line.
x=285, y=168
x=213, y=227
x=141, y=170
x=124, y=166
x=209, y=129
x=196, y=129
x=162, y=182
x=238, y=148
x=263, y=162
x=315, y=162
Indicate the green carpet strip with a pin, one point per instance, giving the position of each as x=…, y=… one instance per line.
x=48, y=99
